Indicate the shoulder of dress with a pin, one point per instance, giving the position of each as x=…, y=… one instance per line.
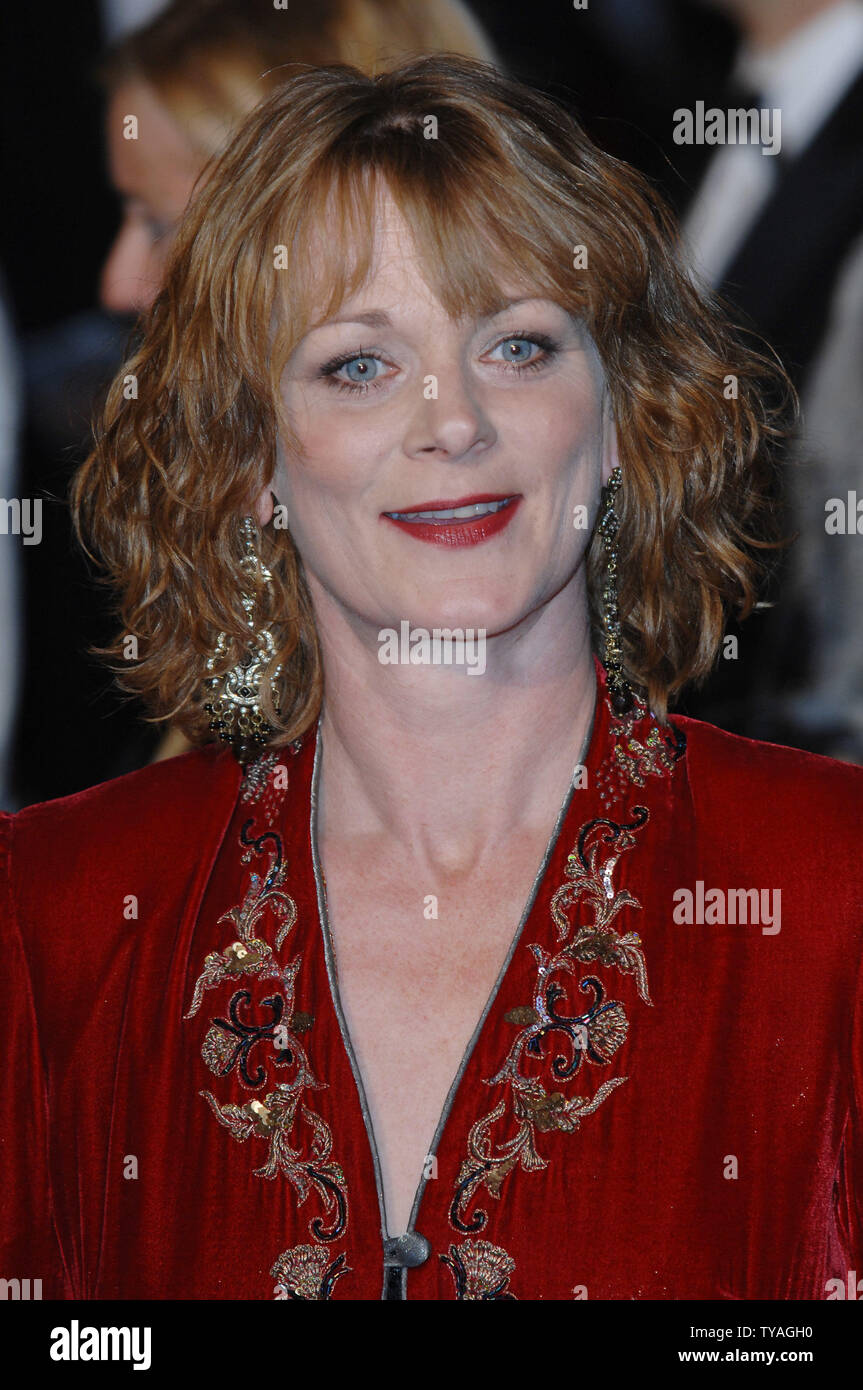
x=754, y=777
x=145, y=815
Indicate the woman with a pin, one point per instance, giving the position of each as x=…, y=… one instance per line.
x=472, y=975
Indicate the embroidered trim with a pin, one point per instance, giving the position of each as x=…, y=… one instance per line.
x=299, y=1140
x=595, y=1034
x=590, y=878
x=305, y=1273
x=229, y=1042
x=641, y=748
x=480, y=1270
x=250, y=954
x=259, y=775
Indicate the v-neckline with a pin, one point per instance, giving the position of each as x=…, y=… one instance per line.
x=330, y=955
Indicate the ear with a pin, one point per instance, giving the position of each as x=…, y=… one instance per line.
x=263, y=506
x=265, y=503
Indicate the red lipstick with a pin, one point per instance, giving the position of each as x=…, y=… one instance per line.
x=498, y=511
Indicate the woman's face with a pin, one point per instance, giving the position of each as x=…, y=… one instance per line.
x=402, y=411
x=154, y=175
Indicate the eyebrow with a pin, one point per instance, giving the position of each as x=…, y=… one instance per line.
x=379, y=318
x=375, y=318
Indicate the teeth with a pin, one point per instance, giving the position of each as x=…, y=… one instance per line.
x=454, y=513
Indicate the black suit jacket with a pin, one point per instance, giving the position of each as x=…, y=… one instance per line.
x=783, y=275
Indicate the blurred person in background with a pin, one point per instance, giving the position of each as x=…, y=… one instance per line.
x=781, y=239
x=188, y=78
x=825, y=710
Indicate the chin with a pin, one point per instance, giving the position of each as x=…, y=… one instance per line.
x=492, y=610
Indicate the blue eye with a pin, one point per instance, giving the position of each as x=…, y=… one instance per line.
x=522, y=341
x=364, y=375
x=527, y=341
x=363, y=368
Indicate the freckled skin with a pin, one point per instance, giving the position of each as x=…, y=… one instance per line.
x=492, y=430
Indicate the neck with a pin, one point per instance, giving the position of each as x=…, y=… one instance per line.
x=444, y=765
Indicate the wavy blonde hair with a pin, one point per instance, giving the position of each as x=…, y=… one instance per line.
x=509, y=187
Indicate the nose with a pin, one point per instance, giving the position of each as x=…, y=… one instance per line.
x=129, y=281
x=449, y=419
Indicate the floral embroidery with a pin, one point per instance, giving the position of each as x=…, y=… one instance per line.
x=480, y=1270
x=590, y=878
x=592, y=1036
x=258, y=776
x=640, y=749
x=307, y=1273
x=251, y=1035
x=274, y=1119
x=229, y=1041
x=250, y=954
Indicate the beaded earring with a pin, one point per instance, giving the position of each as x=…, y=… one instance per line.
x=234, y=705
x=620, y=692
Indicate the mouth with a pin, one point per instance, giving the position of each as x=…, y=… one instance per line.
x=458, y=522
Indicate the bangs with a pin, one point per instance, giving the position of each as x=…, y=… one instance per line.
x=472, y=233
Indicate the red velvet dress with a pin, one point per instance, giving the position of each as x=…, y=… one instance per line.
x=651, y=1107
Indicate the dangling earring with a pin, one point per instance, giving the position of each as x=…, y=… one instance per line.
x=620, y=692
x=234, y=706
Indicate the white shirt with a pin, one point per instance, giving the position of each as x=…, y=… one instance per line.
x=120, y=17
x=805, y=77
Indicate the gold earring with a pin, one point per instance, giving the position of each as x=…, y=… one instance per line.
x=234, y=706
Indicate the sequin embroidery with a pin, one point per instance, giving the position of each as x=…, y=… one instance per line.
x=535, y=1104
x=251, y=1036
x=307, y=1273
x=480, y=1270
